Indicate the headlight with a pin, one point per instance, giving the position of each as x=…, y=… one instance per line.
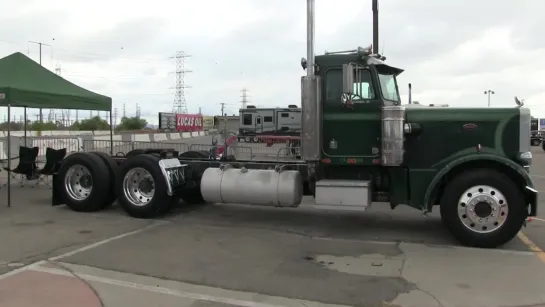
x=525, y=157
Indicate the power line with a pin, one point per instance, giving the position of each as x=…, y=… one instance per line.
x=180, y=105
x=91, y=55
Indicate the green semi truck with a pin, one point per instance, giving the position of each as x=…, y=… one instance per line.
x=359, y=146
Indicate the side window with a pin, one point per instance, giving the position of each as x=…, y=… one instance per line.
x=364, y=90
x=334, y=85
x=285, y=115
x=258, y=120
x=247, y=120
x=267, y=119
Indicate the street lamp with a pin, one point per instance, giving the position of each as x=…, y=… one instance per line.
x=489, y=92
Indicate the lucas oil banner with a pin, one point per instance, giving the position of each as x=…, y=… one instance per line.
x=188, y=122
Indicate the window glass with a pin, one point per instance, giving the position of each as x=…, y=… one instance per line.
x=334, y=85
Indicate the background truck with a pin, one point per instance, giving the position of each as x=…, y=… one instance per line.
x=535, y=134
x=359, y=146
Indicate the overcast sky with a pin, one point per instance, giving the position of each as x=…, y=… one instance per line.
x=452, y=51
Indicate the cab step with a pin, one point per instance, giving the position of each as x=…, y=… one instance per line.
x=343, y=194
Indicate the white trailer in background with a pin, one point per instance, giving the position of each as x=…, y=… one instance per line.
x=255, y=122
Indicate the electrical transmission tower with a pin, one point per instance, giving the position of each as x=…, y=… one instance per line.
x=244, y=97
x=138, y=111
x=180, y=105
x=115, y=117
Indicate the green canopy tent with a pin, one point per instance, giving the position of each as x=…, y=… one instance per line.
x=25, y=83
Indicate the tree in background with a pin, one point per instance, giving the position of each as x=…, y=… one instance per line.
x=37, y=126
x=31, y=126
x=91, y=124
x=13, y=125
x=131, y=123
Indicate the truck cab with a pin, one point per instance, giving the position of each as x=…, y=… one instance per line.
x=365, y=146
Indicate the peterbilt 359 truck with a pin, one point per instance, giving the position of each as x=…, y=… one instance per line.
x=360, y=146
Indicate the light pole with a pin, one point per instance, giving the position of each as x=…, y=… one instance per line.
x=489, y=92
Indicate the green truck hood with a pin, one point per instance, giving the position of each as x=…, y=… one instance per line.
x=449, y=132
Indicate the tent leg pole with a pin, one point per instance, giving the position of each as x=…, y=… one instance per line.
x=9, y=155
x=24, y=126
x=111, y=134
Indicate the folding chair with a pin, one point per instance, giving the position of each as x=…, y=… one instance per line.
x=53, y=157
x=27, y=167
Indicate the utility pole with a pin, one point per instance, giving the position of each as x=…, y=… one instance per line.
x=63, y=112
x=489, y=92
x=180, y=105
x=40, y=47
x=244, y=97
x=224, y=121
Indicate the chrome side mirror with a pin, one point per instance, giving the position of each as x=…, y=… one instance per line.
x=348, y=78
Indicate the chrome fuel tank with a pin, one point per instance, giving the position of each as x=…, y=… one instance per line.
x=279, y=188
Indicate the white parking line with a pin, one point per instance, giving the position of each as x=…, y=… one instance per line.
x=106, y=241
x=537, y=176
x=537, y=219
x=82, y=249
x=155, y=289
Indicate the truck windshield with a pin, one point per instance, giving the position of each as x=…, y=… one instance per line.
x=388, y=87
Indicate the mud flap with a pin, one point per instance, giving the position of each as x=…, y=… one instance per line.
x=56, y=199
x=531, y=196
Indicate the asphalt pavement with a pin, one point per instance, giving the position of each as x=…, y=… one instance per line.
x=234, y=255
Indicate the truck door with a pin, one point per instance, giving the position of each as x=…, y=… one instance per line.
x=352, y=131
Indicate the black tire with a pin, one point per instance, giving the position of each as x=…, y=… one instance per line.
x=100, y=175
x=113, y=169
x=193, y=196
x=513, y=222
x=160, y=202
x=535, y=142
x=543, y=145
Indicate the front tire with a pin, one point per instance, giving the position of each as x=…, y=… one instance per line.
x=483, y=208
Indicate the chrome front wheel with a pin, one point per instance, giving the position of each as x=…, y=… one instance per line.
x=482, y=209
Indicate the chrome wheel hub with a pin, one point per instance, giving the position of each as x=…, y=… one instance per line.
x=138, y=187
x=482, y=209
x=78, y=182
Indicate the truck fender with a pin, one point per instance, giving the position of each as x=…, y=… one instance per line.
x=515, y=169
